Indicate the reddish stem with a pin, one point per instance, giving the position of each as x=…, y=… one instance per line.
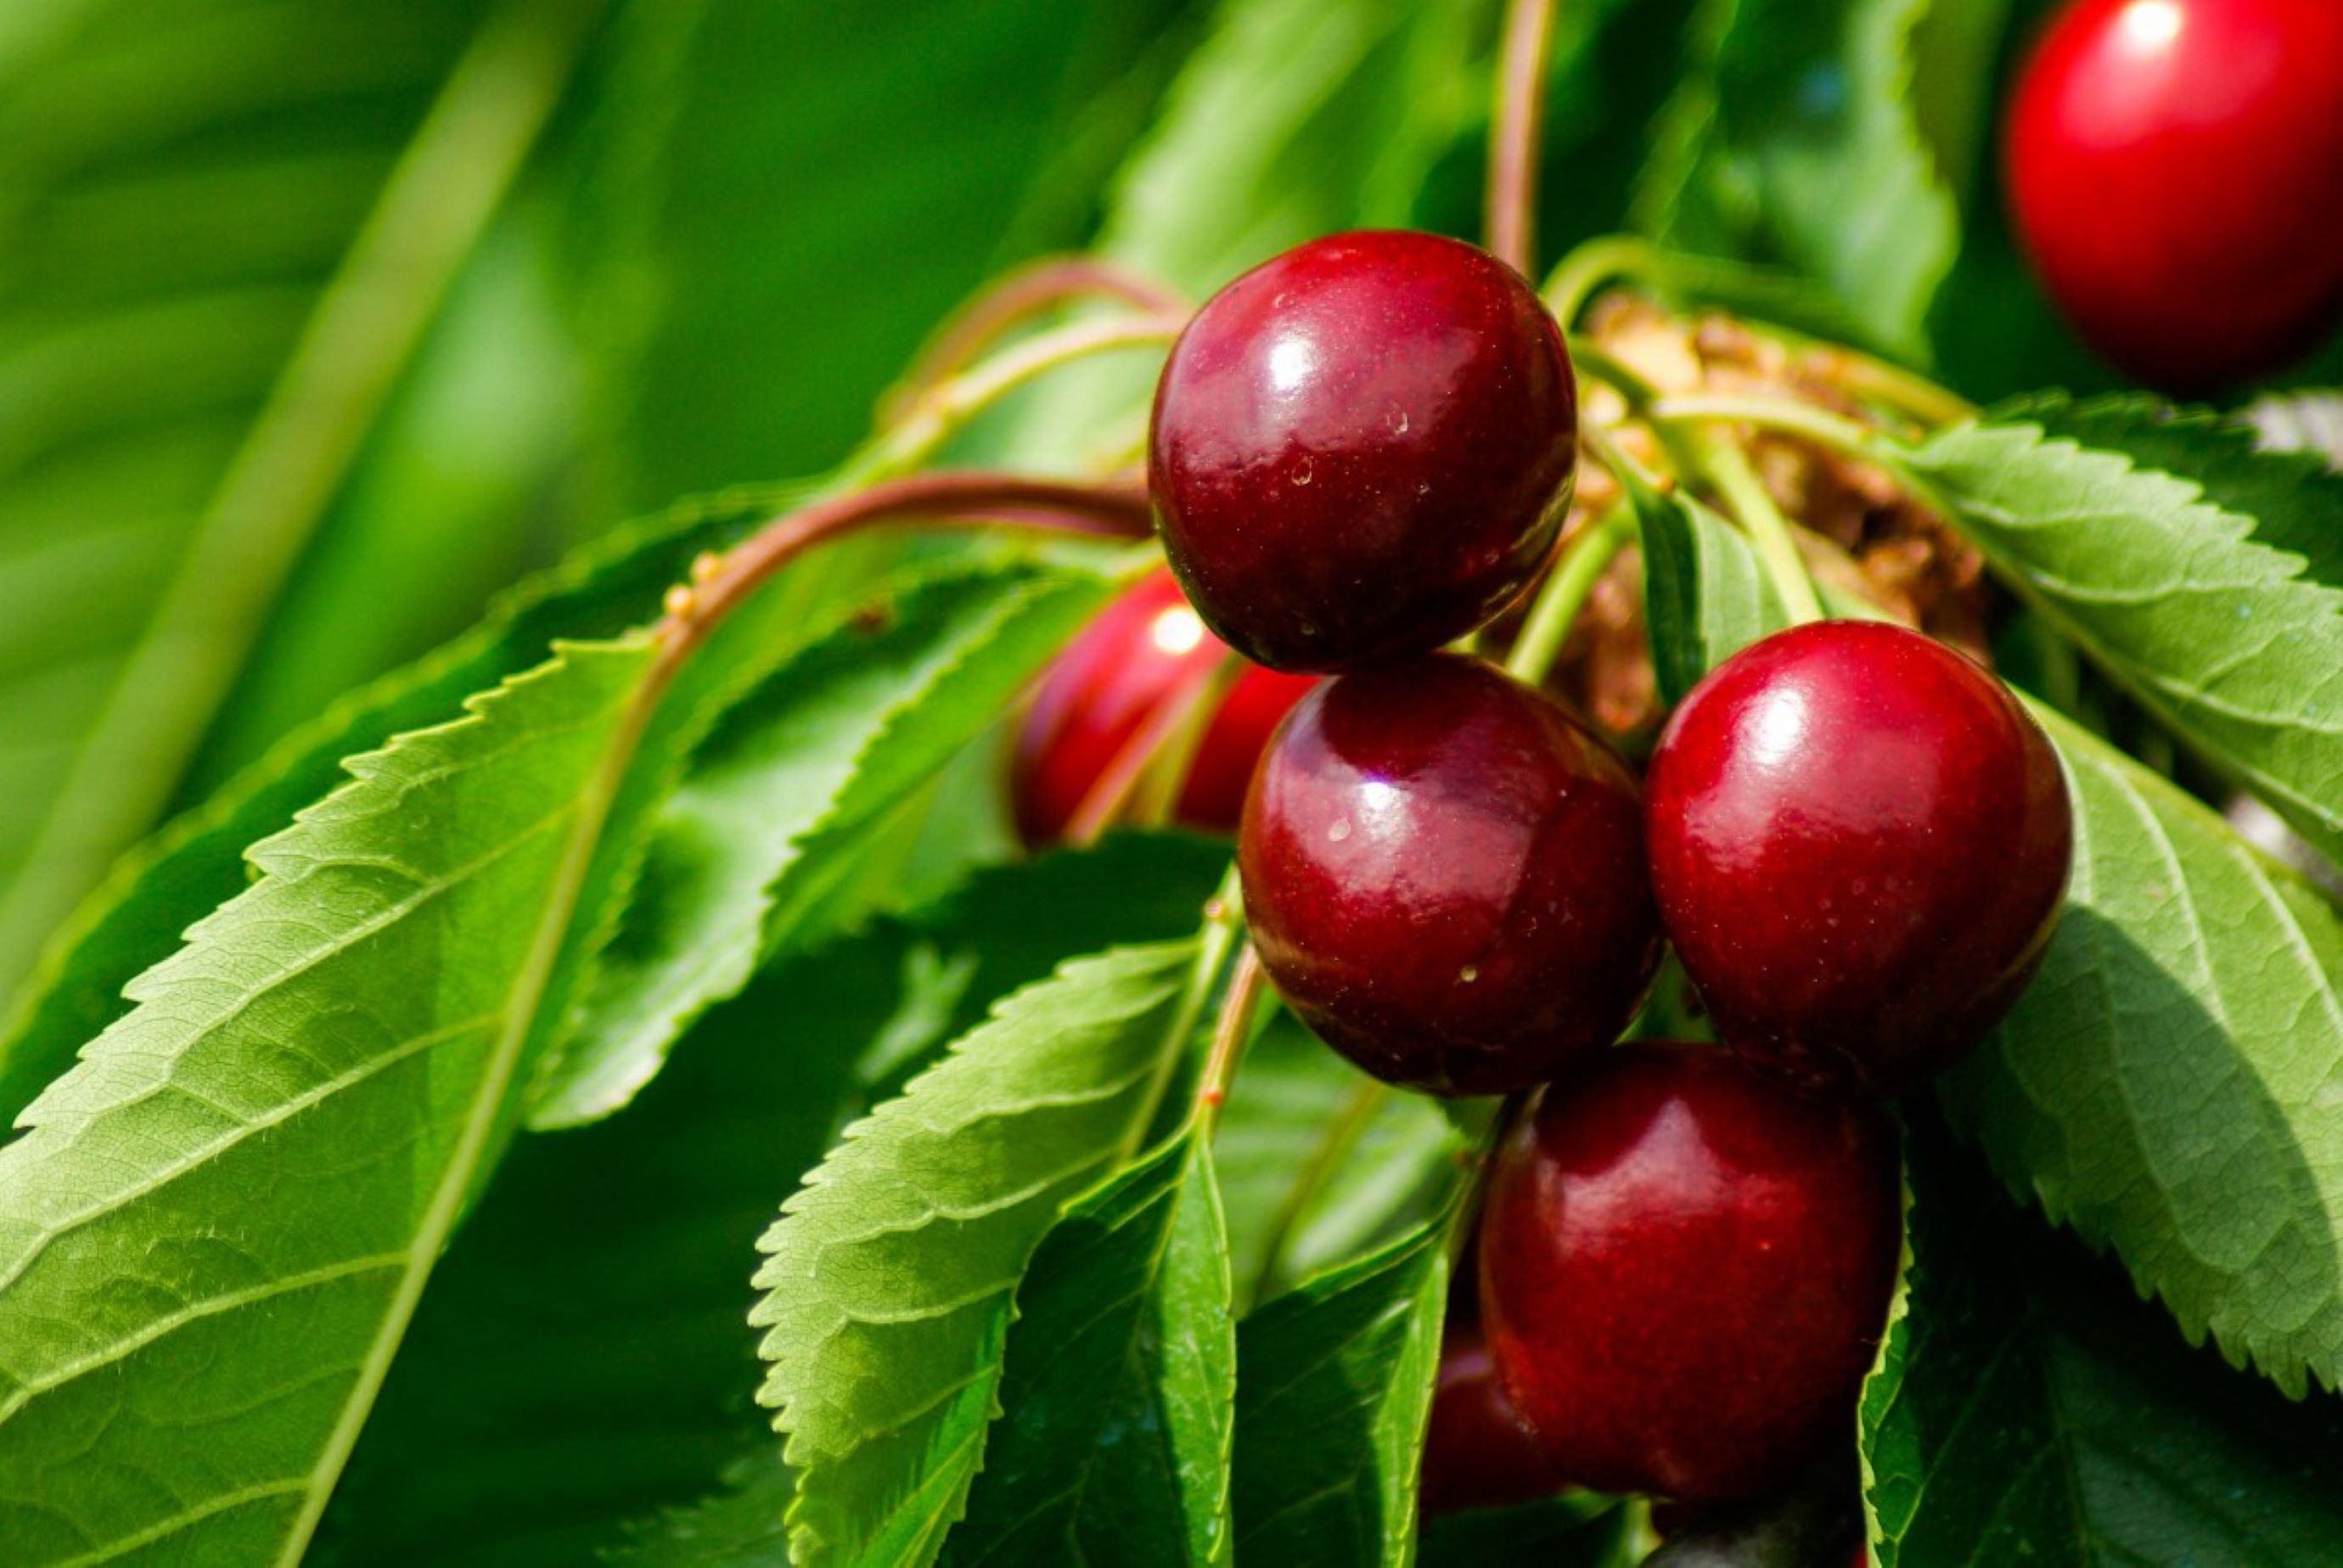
x=1514, y=141
x=964, y=498
x=1018, y=296
x=1246, y=988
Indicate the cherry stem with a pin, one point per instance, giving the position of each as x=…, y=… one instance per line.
x=1582, y=565
x=1514, y=137
x=969, y=498
x=1579, y=276
x=944, y=410
x=1789, y=416
x=1011, y=301
x=1118, y=780
x=1247, y=986
x=1890, y=386
x=1727, y=468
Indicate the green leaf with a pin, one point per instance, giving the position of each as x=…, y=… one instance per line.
x=2166, y=1084
x=221, y=1221
x=889, y=1276
x=741, y=1527
x=562, y=1379
x=2205, y=614
x=227, y=232
x=2030, y=1409
x=1121, y=1375
x=1706, y=597
x=742, y=194
x=1333, y=1391
x=1319, y=1164
x=791, y=779
x=1799, y=143
x=197, y=864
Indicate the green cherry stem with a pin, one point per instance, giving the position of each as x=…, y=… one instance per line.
x=1727, y=468
x=1014, y=298
x=1558, y=602
x=1863, y=443
x=945, y=409
x=1516, y=130
x=1583, y=272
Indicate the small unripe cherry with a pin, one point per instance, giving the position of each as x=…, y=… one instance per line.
x=1686, y=1269
x=1444, y=875
x=1363, y=448
x=1146, y=650
x=1860, y=841
x=1478, y=1452
x=2176, y=169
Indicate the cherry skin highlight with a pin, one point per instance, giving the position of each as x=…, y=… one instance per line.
x=1860, y=842
x=1363, y=448
x=1478, y=1452
x=2176, y=169
x=1444, y=875
x=1686, y=1269
x=1145, y=650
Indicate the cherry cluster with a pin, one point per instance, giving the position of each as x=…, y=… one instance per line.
x=1855, y=839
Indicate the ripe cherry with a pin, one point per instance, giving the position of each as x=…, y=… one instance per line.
x=1363, y=448
x=1686, y=1269
x=1147, y=650
x=1444, y=873
x=1478, y=1451
x=2176, y=171
x=1860, y=842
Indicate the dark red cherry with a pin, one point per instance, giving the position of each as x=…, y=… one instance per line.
x=1478, y=1451
x=1146, y=650
x=1444, y=873
x=1684, y=1270
x=1860, y=842
x=2176, y=171
x=1363, y=448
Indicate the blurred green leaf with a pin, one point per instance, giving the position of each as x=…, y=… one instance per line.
x=2030, y=1409
x=830, y=744
x=888, y=1279
x=785, y=197
x=227, y=229
x=1119, y=1381
x=1796, y=140
x=449, y=502
x=1333, y=1391
x=2225, y=623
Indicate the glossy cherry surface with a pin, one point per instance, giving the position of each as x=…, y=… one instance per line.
x=1148, y=649
x=2176, y=167
x=1478, y=1452
x=1363, y=448
x=1444, y=873
x=1686, y=1269
x=1860, y=843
